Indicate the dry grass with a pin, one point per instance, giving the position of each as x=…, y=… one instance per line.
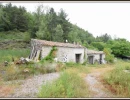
x=5, y=90
x=117, y=80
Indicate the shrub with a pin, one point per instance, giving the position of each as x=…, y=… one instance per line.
x=27, y=36
x=109, y=57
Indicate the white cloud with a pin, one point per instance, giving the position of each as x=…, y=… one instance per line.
x=97, y=18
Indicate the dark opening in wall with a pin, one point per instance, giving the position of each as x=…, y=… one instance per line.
x=77, y=56
x=100, y=59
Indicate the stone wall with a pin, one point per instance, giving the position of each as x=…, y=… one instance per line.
x=64, y=54
x=96, y=57
x=45, y=51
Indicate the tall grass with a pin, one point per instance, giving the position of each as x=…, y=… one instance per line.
x=6, y=55
x=118, y=79
x=69, y=85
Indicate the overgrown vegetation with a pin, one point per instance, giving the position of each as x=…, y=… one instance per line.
x=14, y=35
x=17, y=72
x=17, y=27
x=45, y=23
x=22, y=71
x=108, y=56
x=69, y=85
x=50, y=57
x=8, y=54
x=119, y=79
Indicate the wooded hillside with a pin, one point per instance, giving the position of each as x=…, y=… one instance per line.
x=46, y=24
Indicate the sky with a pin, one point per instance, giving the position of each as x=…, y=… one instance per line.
x=97, y=18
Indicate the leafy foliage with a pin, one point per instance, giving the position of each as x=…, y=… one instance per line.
x=121, y=48
x=103, y=38
x=109, y=57
x=58, y=34
x=13, y=18
x=99, y=45
x=46, y=24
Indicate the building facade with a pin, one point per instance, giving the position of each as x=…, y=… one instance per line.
x=66, y=52
x=95, y=57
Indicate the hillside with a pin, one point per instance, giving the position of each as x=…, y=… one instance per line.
x=14, y=39
x=17, y=27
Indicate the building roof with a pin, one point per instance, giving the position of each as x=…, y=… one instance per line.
x=58, y=44
x=94, y=52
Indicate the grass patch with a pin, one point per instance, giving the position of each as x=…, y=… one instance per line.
x=6, y=55
x=72, y=64
x=118, y=79
x=69, y=85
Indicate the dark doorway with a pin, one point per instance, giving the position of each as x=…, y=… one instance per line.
x=90, y=59
x=100, y=58
x=77, y=58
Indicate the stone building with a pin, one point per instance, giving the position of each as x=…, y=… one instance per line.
x=95, y=56
x=66, y=52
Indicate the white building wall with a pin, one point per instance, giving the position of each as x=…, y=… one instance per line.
x=96, y=57
x=68, y=54
x=64, y=54
x=45, y=51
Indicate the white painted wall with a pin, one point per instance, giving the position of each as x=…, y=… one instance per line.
x=97, y=57
x=45, y=51
x=69, y=53
x=64, y=54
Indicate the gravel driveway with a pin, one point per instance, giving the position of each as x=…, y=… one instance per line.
x=30, y=87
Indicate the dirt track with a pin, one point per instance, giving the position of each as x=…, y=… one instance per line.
x=96, y=87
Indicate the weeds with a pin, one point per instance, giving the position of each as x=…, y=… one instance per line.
x=119, y=80
x=50, y=56
x=14, y=72
x=7, y=55
x=69, y=85
x=72, y=64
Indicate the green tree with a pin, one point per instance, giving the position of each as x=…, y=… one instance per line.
x=99, y=45
x=14, y=18
x=43, y=33
x=51, y=18
x=1, y=18
x=103, y=38
x=65, y=24
x=58, y=34
x=108, y=56
x=73, y=34
x=121, y=47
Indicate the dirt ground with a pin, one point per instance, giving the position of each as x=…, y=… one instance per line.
x=94, y=80
x=96, y=87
